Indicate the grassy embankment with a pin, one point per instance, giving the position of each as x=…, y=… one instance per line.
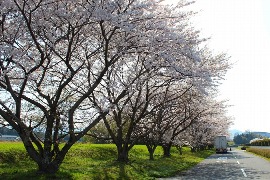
x=92, y=161
x=261, y=152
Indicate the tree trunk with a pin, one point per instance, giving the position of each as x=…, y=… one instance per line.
x=167, y=149
x=48, y=161
x=48, y=167
x=151, y=150
x=122, y=153
x=151, y=155
x=48, y=164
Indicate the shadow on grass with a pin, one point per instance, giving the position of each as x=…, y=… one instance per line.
x=121, y=171
x=17, y=166
x=27, y=175
x=113, y=170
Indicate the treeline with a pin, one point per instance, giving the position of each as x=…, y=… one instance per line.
x=261, y=142
x=245, y=137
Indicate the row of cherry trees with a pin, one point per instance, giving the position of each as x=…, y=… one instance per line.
x=172, y=118
x=136, y=65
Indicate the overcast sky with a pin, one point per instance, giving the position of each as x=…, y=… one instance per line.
x=241, y=28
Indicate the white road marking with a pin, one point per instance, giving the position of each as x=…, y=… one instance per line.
x=223, y=159
x=243, y=171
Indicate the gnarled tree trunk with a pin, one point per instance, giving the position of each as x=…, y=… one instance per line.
x=167, y=149
x=48, y=161
x=122, y=153
x=151, y=149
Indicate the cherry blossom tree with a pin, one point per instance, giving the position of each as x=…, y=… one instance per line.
x=163, y=116
x=215, y=122
x=134, y=108
x=189, y=117
x=186, y=112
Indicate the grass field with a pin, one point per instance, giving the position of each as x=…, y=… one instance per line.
x=97, y=161
x=261, y=152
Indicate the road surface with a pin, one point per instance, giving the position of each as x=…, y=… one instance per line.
x=234, y=165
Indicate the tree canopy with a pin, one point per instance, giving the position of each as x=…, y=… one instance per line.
x=136, y=65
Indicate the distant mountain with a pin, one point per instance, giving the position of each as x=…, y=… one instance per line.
x=7, y=131
x=263, y=134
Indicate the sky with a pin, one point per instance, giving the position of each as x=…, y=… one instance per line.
x=241, y=28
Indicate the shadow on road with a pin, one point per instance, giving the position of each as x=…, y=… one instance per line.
x=212, y=172
x=227, y=166
x=218, y=171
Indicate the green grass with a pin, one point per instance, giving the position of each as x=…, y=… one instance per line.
x=93, y=161
x=261, y=152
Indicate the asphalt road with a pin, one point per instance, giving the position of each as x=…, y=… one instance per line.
x=236, y=164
